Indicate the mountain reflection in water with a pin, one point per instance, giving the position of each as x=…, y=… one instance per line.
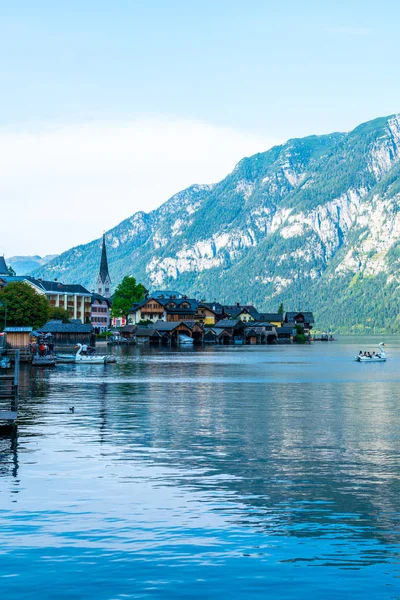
x=220, y=472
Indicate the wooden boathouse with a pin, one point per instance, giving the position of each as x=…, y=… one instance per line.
x=9, y=391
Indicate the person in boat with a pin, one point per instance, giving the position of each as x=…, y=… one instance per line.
x=84, y=349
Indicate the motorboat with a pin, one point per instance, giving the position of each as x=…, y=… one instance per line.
x=67, y=359
x=185, y=339
x=93, y=359
x=379, y=357
x=43, y=361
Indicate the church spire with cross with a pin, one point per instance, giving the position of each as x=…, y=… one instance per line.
x=104, y=279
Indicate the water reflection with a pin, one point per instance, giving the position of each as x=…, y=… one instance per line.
x=201, y=460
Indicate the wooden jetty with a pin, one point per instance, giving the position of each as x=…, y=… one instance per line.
x=9, y=391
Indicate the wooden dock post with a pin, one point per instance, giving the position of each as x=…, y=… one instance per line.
x=9, y=392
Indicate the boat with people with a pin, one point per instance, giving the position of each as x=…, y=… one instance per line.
x=367, y=357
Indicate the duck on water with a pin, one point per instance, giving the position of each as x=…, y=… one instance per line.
x=368, y=357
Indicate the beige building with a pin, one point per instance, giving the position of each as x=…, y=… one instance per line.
x=73, y=298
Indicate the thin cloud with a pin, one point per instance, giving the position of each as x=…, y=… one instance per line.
x=64, y=184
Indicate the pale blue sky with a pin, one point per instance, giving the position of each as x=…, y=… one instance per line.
x=262, y=71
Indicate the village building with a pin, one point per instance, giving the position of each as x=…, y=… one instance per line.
x=18, y=337
x=230, y=331
x=179, y=309
x=208, y=313
x=276, y=319
x=245, y=313
x=69, y=334
x=170, y=330
x=173, y=307
x=150, y=309
x=305, y=319
x=73, y=298
x=100, y=313
x=286, y=333
x=260, y=333
x=159, y=308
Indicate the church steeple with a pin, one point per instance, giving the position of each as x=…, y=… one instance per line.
x=104, y=279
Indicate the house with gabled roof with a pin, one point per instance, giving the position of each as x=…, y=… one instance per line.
x=74, y=298
x=245, y=313
x=305, y=319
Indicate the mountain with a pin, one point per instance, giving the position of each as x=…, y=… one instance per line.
x=24, y=265
x=314, y=223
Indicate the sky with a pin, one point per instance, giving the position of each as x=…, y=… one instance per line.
x=110, y=108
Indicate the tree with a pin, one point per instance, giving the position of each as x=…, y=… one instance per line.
x=22, y=306
x=300, y=337
x=58, y=313
x=280, y=309
x=125, y=295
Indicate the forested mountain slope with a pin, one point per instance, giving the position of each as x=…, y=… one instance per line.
x=313, y=223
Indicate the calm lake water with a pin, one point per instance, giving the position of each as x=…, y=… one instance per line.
x=229, y=472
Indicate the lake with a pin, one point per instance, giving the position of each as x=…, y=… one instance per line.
x=217, y=472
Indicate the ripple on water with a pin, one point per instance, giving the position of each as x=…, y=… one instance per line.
x=224, y=472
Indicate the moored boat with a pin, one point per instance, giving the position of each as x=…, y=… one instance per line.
x=93, y=359
x=43, y=361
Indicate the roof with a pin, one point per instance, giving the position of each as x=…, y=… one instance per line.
x=284, y=329
x=100, y=298
x=220, y=330
x=235, y=310
x=50, y=286
x=57, y=326
x=103, y=274
x=215, y=307
x=308, y=316
x=272, y=317
x=3, y=266
x=18, y=329
x=177, y=309
x=170, y=325
x=230, y=323
x=128, y=329
x=257, y=324
x=145, y=332
x=165, y=294
x=62, y=288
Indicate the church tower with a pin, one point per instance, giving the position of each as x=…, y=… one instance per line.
x=104, y=280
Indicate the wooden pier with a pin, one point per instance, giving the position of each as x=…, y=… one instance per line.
x=9, y=391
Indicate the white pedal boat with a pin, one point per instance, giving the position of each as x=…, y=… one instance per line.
x=379, y=357
x=90, y=360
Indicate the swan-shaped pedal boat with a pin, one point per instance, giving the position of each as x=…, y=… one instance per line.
x=90, y=360
x=380, y=357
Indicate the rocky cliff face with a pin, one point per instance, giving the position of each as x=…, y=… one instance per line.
x=314, y=223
